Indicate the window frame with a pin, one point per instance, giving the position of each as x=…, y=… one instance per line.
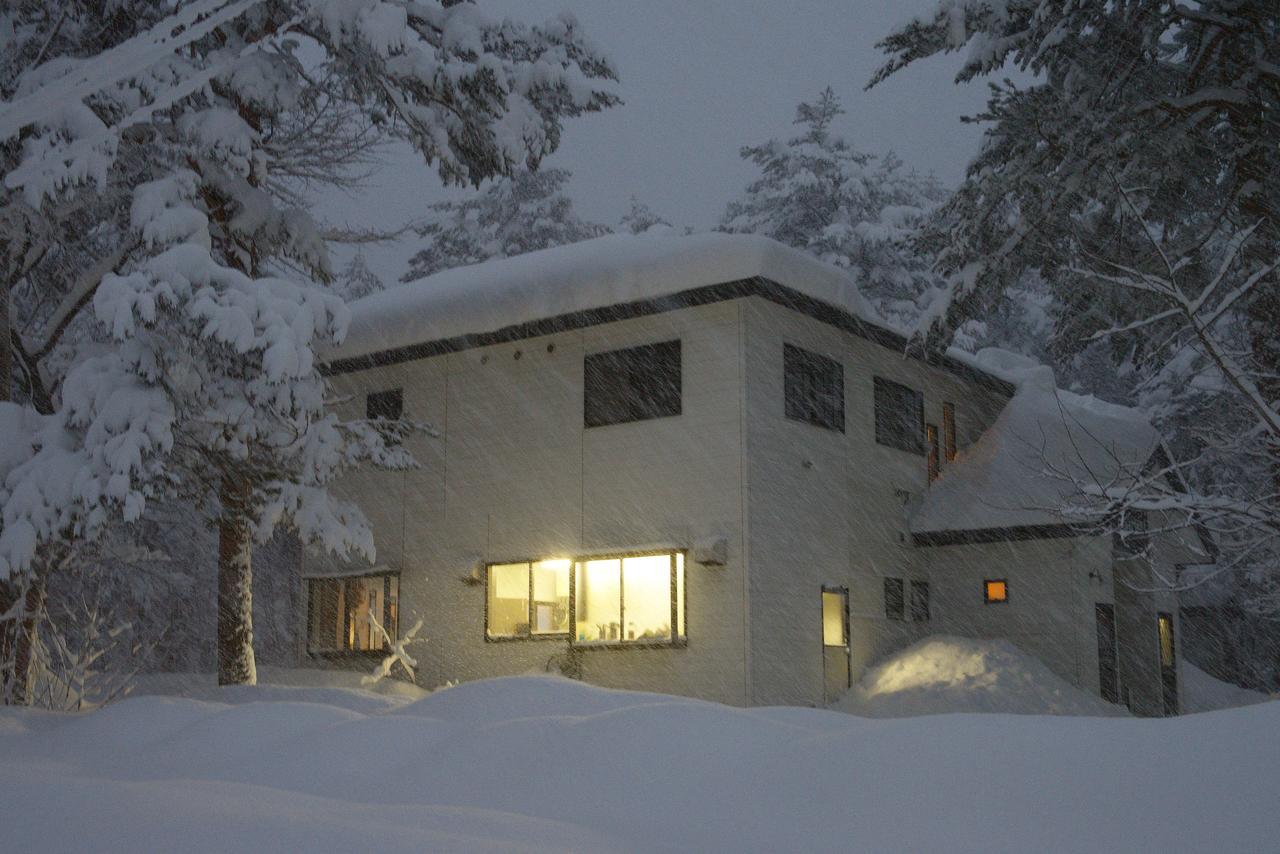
x=391, y=626
x=799, y=363
x=529, y=634
x=986, y=591
x=933, y=452
x=901, y=614
x=679, y=618
x=882, y=386
x=915, y=586
x=634, y=411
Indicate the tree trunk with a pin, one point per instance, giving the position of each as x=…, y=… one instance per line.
x=18, y=637
x=236, y=665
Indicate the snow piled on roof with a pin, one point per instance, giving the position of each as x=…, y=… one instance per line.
x=943, y=675
x=535, y=764
x=1027, y=468
x=598, y=273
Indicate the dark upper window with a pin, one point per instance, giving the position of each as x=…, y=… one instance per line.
x=384, y=404
x=894, y=606
x=920, y=601
x=899, y=416
x=813, y=387
x=634, y=384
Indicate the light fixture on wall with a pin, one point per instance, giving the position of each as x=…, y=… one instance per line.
x=474, y=575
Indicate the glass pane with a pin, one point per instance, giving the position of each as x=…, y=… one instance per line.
x=997, y=591
x=364, y=595
x=508, y=600
x=680, y=595
x=832, y=618
x=325, y=604
x=597, y=605
x=551, y=597
x=1166, y=641
x=646, y=597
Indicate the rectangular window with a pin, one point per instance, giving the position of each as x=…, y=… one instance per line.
x=813, y=388
x=835, y=629
x=949, y=432
x=344, y=614
x=894, y=605
x=995, y=591
x=1168, y=664
x=920, y=601
x=935, y=460
x=636, y=599
x=527, y=599
x=635, y=384
x=384, y=404
x=899, y=412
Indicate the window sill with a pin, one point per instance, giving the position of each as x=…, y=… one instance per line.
x=518, y=638
x=678, y=643
x=352, y=654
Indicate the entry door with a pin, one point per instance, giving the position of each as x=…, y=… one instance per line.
x=1168, y=664
x=1108, y=652
x=835, y=642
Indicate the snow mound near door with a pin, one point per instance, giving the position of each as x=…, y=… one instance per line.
x=944, y=675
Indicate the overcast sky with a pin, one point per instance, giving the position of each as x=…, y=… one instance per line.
x=701, y=79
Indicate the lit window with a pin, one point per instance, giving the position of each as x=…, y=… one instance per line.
x=343, y=614
x=834, y=624
x=894, y=599
x=1166, y=640
x=527, y=599
x=813, y=388
x=625, y=600
x=995, y=590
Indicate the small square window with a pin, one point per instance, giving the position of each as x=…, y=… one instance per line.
x=899, y=412
x=920, y=601
x=635, y=384
x=813, y=388
x=995, y=591
x=894, y=599
x=387, y=404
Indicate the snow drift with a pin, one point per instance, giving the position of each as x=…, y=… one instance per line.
x=944, y=674
x=542, y=763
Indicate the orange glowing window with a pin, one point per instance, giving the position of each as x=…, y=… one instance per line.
x=995, y=590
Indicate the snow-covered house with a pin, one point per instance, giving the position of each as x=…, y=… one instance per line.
x=700, y=465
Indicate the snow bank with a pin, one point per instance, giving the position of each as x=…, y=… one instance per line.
x=538, y=764
x=1030, y=467
x=599, y=273
x=341, y=688
x=1203, y=693
x=942, y=674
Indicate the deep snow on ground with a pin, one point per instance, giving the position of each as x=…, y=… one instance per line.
x=1203, y=693
x=543, y=763
x=942, y=674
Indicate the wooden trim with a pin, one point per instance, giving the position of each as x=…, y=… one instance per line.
x=975, y=536
x=757, y=286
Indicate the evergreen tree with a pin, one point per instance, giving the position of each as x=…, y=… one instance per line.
x=818, y=193
x=150, y=208
x=521, y=213
x=1139, y=175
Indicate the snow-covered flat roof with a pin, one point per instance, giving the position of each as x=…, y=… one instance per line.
x=1033, y=466
x=593, y=274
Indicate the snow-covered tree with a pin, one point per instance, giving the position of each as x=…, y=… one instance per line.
x=1139, y=175
x=356, y=280
x=819, y=193
x=640, y=218
x=152, y=162
x=521, y=213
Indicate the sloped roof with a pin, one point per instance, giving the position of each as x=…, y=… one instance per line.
x=1026, y=468
x=599, y=273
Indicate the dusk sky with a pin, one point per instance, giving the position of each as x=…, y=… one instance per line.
x=700, y=81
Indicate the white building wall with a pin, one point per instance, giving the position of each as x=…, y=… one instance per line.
x=514, y=475
x=830, y=508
